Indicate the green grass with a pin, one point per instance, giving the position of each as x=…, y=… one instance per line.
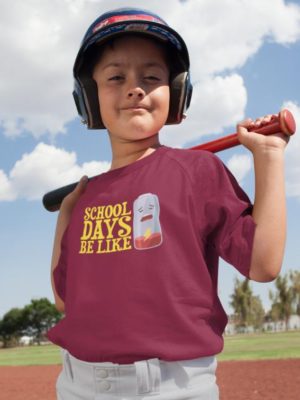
x=238, y=347
x=261, y=346
x=30, y=355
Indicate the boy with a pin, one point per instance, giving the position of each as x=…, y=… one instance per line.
x=135, y=258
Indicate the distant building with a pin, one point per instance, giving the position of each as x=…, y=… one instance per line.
x=25, y=340
x=270, y=326
x=293, y=324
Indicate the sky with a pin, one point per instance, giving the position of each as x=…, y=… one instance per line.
x=245, y=62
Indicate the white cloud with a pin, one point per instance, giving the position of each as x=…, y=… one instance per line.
x=240, y=165
x=292, y=159
x=6, y=189
x=44, y=169
x=217, y=103
x=40, y=39
x=224, y=34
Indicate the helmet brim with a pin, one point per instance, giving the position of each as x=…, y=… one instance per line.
x=152, y=30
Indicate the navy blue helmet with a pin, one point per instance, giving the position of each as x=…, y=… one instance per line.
x=117, y=23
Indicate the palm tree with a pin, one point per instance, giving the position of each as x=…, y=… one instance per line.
x=295, y=280
x=248, y=309
x=282, y=299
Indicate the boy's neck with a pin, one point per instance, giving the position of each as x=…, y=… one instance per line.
x=126, y=153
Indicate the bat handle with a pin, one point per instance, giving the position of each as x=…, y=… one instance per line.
x=283, y=122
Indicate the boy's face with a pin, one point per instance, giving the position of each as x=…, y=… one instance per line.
x=133, y=88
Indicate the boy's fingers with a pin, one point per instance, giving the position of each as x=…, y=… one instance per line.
x=250, y=124
x=246, y=123
x=70, y=200
x=81, y=184
x=80, y=187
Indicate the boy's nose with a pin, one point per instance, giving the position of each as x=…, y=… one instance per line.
x=137, y=92
x=135, y=86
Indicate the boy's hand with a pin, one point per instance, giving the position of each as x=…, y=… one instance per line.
x=70, y=200
x=256, y=142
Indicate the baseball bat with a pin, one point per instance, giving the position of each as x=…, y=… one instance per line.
x=283, y=122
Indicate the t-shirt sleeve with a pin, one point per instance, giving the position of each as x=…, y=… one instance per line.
x=60, y=271
x=226, y=212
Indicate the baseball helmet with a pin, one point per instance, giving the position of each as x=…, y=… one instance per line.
x=117, y=23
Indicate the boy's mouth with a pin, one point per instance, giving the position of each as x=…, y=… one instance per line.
x=136, y=107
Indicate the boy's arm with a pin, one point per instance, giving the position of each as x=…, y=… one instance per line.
x=269, y=210
x=61, y=225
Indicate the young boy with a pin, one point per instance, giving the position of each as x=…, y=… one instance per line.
x=135, y=258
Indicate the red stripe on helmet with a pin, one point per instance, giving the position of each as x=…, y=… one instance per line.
x=122, y=18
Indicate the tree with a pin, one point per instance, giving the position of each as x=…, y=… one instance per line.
x=282, y=299
x=274, y=314
x=257, y=313
x=248, y=309
x=11, y=326
x=38, y=317
x=295, y=281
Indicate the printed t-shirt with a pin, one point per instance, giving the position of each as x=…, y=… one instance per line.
x=138, y=269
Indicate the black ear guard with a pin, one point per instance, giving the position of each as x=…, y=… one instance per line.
x=86, y=99
x=181, y=91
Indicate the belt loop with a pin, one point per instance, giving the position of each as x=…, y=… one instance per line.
x=142, y=377
x=154, y=366
x=148, y=376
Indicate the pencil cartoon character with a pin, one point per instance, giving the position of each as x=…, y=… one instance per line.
x=146, y=225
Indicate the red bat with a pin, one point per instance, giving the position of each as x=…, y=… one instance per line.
x=283, y=122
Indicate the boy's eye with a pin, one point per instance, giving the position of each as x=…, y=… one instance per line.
x=115, y=78
x=152, y=78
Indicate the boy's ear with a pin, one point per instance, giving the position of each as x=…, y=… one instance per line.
x=180, y=97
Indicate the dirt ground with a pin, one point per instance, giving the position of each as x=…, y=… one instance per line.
x=237, y=380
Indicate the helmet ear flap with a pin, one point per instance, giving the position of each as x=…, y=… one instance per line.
x=180, y=97
x=87, y=103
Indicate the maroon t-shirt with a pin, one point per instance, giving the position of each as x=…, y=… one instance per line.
x=138, y=269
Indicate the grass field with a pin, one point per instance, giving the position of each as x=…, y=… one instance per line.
x=261, y=346
x=238, y=347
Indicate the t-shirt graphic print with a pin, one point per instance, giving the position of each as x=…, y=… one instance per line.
x=108, y=229
x=146, y=225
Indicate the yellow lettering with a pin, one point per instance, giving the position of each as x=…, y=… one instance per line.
x=125, y=211
x=82, y=248
x=90, y=247
x=117, y=210
x=127, y=228
x=127, y=243
x=98, y=234
x=115, y=245
x=87, y=230
x=100, y=213
x=110, y=226
x=93, y=213
x=87, y=213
